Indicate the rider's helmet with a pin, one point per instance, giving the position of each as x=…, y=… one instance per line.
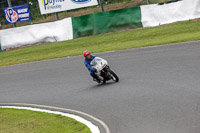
x=85, y=53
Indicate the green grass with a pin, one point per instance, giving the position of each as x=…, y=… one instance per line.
x=177, y=32
x=25, y=121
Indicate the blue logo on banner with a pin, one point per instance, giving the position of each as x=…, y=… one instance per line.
x=80, y=1
x=52, y=4
x=11, y=15
x=17, y=14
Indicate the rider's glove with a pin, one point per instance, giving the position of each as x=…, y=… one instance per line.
x=95, y=70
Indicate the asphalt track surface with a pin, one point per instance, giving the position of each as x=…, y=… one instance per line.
x=158, y=92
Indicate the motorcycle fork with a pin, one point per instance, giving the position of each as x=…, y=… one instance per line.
x=105, y=72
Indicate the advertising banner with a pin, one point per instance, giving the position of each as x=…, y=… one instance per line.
x=17, y=14
x=51, y=6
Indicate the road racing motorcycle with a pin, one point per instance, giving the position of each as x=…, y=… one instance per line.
x=103, y=71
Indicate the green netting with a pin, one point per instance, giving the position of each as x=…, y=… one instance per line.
x=0, y=47
x=104, y=22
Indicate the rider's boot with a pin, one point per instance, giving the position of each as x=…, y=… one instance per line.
x=98, y=79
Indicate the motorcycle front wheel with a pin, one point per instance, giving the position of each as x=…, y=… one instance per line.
x=114, y=76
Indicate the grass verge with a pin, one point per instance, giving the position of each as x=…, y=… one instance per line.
x=25, y=121
x=177, y=32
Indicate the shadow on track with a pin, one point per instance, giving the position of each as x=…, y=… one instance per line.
x=102, y=86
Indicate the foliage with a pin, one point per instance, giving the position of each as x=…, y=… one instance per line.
x=35, y=11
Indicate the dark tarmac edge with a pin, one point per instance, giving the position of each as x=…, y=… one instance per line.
x=100, y=124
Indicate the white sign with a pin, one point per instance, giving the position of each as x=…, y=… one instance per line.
x=51, y=6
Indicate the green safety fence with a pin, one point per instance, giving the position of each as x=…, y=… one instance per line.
x=104, y=22
x=0, y=47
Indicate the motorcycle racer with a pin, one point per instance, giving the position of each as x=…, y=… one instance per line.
x=88, y=59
